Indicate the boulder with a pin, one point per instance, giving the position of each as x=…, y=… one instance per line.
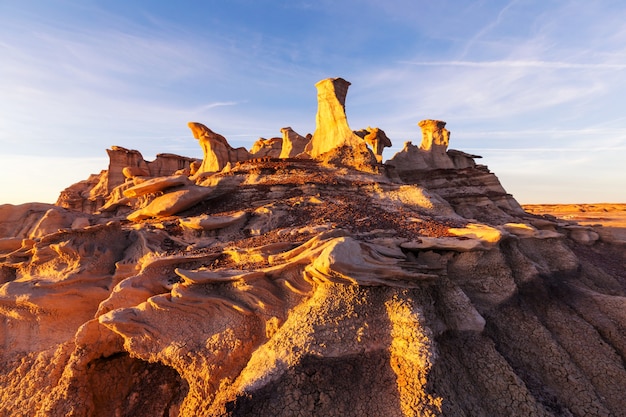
x=207, y=222
x=155, y=185
x=172, y=203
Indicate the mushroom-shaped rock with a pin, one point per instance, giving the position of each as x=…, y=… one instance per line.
x=434, y=135
x=217, y=152
x=435, y=140
x=293, y=143
x=431, y=154
x=376, y=138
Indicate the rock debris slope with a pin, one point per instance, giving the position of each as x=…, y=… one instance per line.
x=320, y=282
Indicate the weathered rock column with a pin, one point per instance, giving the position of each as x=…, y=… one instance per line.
x=331, y=125
x=217, y=151
x=435, y=140
x=293, y=143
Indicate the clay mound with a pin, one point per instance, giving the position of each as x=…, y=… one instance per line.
x=324, y=285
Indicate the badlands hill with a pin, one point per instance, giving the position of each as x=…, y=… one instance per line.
x=305, y=277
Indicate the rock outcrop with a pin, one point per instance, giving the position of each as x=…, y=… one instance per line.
x=217, y=152
x=471, y=189
x=431, y=154
x=377, y=139
x=293, y=144
x=267, y=148
x=333, y=141
x=296, y=286
x=124, y=164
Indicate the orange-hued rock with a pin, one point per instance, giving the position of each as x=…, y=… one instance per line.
x=300, y=286
x=267, y=148
x=206, y=222
x=376, y=139
x=604, y=221
x=217, y=152
x=155, y=185
x=124, y=164
x=293, y=144
x=331, y=125
x=172, y=203
x=431, y=154
x=435, y=137
x=132, y=172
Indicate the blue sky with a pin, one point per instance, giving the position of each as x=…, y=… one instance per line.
x=538, y=88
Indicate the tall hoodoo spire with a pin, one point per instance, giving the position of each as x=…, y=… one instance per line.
x=331, y=124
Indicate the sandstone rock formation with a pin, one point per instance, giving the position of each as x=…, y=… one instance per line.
x=267, y=148
x=290, y=286
x=431, y=154
x=217, y=152
x=377, y=139
x=332, y=133
x=293, y=144
x=471, y=189
x=90, y=195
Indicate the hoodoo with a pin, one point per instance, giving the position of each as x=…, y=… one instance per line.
x=331, y=124
x=217, y=151
x=307, y=277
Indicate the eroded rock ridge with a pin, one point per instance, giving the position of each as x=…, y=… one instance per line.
x=307, y=277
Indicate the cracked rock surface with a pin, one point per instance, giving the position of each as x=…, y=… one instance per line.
x=308, y=286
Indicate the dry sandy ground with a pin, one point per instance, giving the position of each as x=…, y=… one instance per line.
x=609, y=215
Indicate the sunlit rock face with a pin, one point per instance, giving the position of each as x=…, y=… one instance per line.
x=281, y=286
x=124, y=165
x=293, y=144
x=376, y=139
x=471, y=189
x=331, y=124
x=333, y=141
x=217, y=151
x=431, y=154
x=267, y=147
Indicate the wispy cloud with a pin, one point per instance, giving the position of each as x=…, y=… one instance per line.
x=539, y=76
x=518, y=64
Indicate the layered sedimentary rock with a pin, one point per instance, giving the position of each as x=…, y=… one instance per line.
x=91, y=194
x=473, y=190
x=291, y=286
